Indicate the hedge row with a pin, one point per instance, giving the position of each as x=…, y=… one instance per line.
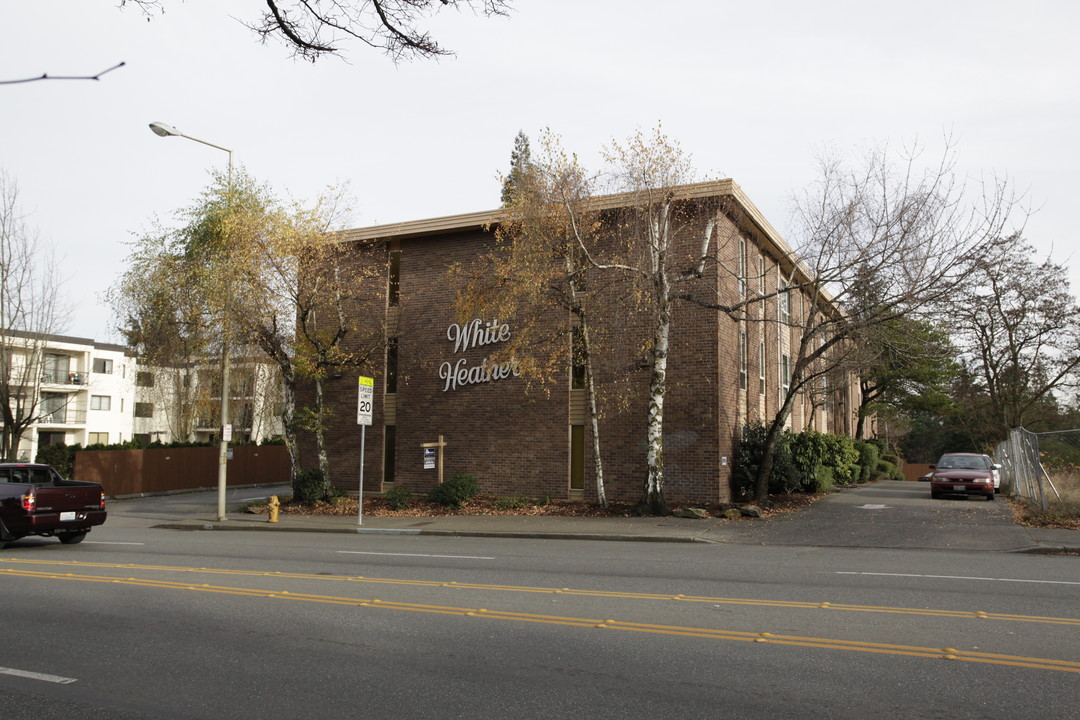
x=810, y=461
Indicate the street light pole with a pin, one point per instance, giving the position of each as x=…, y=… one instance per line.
x=164, y=130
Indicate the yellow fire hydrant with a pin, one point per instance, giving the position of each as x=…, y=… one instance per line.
x=272, y=509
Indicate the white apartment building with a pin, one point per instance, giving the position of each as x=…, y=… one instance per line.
x=89, y=393
x=184, y=402
x=83, y=389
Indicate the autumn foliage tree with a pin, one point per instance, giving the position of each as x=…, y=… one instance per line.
x=538, y=274
x=621, y=235
x=244, y=270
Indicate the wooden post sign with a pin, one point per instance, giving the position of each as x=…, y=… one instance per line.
x=438, y=447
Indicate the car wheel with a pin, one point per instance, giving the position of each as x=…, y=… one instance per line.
x=71, y=538
x=990, y=497
x=934, y=495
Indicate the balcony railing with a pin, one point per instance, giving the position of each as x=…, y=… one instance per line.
x=68, y=378
x=63, y=416
x=242, y=419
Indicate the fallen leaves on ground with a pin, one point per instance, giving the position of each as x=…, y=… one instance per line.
x=377, y=506
x=1058, y=516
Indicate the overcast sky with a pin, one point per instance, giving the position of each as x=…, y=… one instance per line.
x=753, y=91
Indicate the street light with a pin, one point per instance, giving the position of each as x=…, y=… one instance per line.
x=164, y=130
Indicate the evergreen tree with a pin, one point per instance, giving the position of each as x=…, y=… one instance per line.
x=520, y=159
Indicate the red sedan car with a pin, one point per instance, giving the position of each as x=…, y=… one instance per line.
x=962, y=474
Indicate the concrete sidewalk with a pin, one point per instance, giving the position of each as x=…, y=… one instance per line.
x=885, y=514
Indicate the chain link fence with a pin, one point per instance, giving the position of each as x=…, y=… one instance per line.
x=1043, y=467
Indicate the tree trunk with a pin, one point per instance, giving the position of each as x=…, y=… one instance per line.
x=860, y=425
x=590, y=385
x=653, y=500
x=320, y=437
x=761, y=482
x=288, y=420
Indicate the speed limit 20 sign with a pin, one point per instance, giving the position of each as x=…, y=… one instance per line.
x=365, y=396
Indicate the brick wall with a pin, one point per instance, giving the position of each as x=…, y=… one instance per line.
x=513, y=434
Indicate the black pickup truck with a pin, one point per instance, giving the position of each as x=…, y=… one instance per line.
x=35, y=500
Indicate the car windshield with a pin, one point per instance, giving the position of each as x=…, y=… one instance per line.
x=961, y=463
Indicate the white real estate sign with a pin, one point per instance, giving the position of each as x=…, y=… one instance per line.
x=364, y=397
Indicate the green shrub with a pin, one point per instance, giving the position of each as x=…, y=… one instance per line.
x=855, y=473
x=60, y=457
x=823, y=480
x=868, y=459
x=398, y=498
x=840, y=456
x=544, y=499
x=884, y=469
x=455, y=491
x=809, y=451
x=785, y=476
x=310, y=486
x=513, y=502
x=747, y=460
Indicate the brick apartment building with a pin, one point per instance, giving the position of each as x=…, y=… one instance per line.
x=521, y=437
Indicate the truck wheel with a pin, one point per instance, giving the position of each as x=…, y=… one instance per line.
x=72, y=538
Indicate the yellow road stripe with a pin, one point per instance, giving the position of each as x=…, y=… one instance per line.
x=607, y=624
x=792, y=604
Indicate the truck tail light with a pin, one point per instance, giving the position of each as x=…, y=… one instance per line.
x=29, y=501
x=103, y=500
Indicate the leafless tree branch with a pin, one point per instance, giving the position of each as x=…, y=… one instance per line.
x=47, y=76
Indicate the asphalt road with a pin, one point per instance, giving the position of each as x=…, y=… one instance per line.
x=144, y=623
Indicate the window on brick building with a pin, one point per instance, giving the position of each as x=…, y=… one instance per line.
x=742, y=267
x=743, y=369
x=785, y=375
x=761, y=368
x=389, y=452
x=577, y=359
x=393, y=289
x=391, y=365
x=577, y=457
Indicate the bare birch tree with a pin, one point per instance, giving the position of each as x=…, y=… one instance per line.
x=910, y=232
x=1019, y=326
x=31, y=310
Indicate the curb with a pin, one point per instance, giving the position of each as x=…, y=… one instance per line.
x=195, y=527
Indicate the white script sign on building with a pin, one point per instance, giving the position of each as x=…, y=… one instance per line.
x=476, y=333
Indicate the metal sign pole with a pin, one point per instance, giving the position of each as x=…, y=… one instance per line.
x=360, y=495
x=364, y=396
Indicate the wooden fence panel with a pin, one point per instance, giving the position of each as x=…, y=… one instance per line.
x=163, y=470
x=914, y=471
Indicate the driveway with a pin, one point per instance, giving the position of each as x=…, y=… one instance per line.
x=888, y=514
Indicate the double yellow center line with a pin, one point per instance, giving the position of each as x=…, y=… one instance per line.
x=595, y=623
